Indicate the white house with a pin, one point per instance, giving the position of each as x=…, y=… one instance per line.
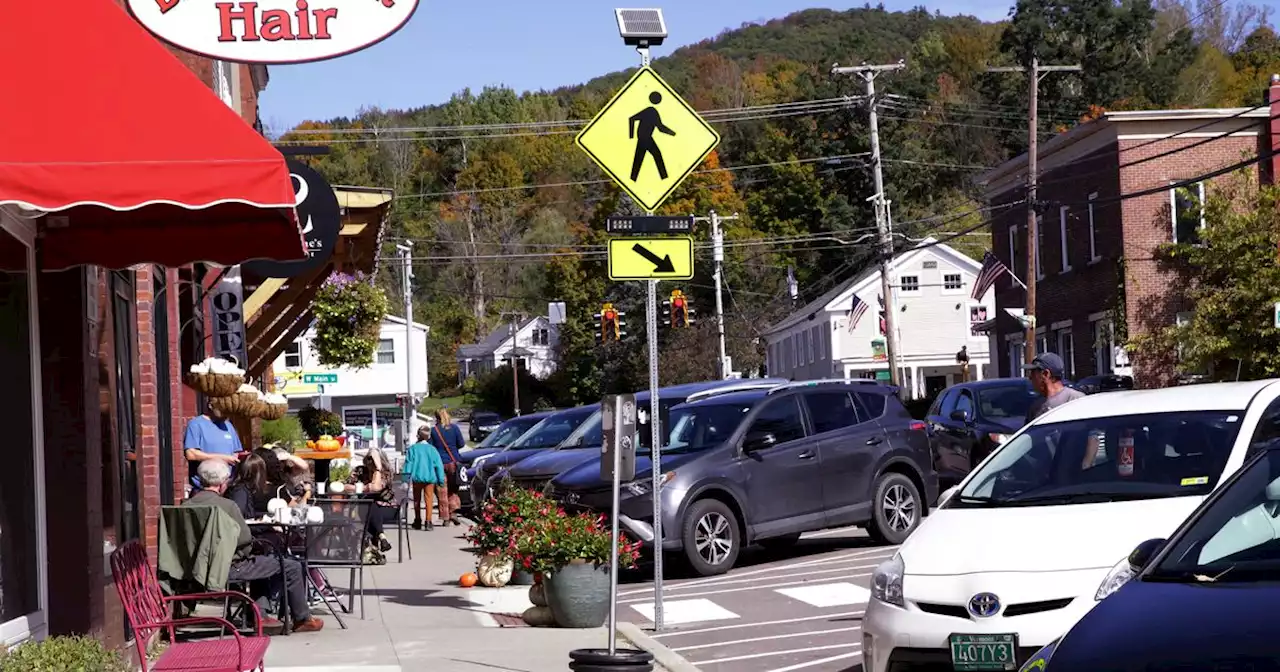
x=935, y=319
x=364, y=397
x=533, y=344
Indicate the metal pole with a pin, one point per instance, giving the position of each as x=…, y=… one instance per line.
x=515, y=367
x=655, y=447
x=613, y=542
x=717, y=241
x=406, y=284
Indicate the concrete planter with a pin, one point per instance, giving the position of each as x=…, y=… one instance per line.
x=578, y=594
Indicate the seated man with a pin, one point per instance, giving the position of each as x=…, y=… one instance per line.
x=215, y=476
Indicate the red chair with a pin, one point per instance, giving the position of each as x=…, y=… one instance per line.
x=149, y=611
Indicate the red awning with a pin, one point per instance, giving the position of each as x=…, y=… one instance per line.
x=135, y=158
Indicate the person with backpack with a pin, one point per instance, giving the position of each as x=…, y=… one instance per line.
x=449, y=442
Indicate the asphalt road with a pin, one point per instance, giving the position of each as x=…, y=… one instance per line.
x=777, y=611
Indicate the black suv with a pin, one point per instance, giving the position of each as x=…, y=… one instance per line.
x=482, y=424
x=764, y=466
x=970, y=420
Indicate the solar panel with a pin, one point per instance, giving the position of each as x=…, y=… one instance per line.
x=636, y=25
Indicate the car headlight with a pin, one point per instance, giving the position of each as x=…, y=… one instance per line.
x=886, y=581
x=1039, y=661
x=1118, y=576
x=641, y=487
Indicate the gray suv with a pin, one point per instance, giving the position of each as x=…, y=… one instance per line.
x=764, y=466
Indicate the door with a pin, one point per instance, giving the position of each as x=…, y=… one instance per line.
x=933, y=385
x=782, y=478
x=848, y=442
x=953, y=436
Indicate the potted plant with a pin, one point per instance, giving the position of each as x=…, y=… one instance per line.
x=349, y=310
x=317, y=422
x=62, y=654
x=497, y=533
x=572, y=554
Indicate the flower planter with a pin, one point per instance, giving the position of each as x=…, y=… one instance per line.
x=521, y=578
x=494, y=570
x=578, y=594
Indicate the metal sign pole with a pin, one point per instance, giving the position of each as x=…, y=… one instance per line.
x=655, y=445
x=611, y=409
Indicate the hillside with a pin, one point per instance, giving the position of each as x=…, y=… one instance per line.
x=507, y=214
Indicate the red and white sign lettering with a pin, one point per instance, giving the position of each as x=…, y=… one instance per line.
x=1124, y=465
x=273, y=31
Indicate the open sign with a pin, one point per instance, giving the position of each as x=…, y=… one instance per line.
x=273, y=31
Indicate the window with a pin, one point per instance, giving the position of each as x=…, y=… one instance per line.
x=781, y=418
x=910, y=283
x=1017, y=357
x=540, y=337
x=1066, y=350
x=1042, y=342
x=930, y=265
x=1268, y=430
x=964, y=404
x=1039, y=247
x=21, y=482
x=825, y=353
x=1062, y=236
x=873, y=404
x=1006, y=401
x=1187, y=207
x=1103, y=346
x=952, y=282
x=1013, y=255
x=386, y=351
x=1182, y=320
x=1093, y=234
x=947, y=403
x=810, y=338
x=831, y=411
x=293, y=356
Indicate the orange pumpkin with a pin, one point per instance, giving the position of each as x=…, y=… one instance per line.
x=468, y=580
x=328, y=444
x=311, y=445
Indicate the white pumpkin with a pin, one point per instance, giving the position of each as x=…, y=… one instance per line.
x=314, y=515
x=495, y=571
x=337, y=487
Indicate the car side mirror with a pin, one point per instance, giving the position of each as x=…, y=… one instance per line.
x=758, y=441
x=1142, y=555
x=959, y=416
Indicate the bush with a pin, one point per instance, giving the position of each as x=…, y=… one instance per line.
x=63, y=654
x=493, y=391
x=317, y=422
x=285, y=432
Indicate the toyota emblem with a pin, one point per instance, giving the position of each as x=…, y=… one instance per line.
x=984, y=605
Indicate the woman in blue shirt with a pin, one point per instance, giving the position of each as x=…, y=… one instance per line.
x=426, y=472
x=448, y=440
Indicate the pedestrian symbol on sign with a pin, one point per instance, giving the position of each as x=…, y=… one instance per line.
x=648, y=120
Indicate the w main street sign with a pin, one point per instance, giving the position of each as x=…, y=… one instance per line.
x=648, y=139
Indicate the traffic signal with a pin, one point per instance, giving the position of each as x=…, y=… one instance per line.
x=677, y=310
x=610, y=323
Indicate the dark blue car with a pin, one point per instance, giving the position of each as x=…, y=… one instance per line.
x=1200, y=600
x=545, y=435
x=585, y=443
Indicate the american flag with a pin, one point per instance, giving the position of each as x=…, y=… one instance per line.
x=884, y=329
x=857, y=309
x=992, y=269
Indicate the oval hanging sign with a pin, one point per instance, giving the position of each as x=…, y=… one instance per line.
x=273, y=31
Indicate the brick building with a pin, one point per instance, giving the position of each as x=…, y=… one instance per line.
x=1098, y=277
x=114, y=181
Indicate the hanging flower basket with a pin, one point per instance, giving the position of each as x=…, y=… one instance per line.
x=349, y=310
x=215, y=377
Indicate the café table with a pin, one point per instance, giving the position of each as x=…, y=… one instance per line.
x=301, y=530
x=321, y=459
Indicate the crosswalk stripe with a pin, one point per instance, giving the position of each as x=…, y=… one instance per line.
x=828, y=594
x=675, y=612
x=847, y=614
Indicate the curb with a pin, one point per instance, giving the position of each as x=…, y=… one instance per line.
x=669, y=660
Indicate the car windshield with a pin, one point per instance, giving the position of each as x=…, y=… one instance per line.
x=1008, y=401
x=551, y=431
x=485, y=419
x=508, y=432
x=589, y=434
x=1237, y=537
x=704, y=426
x=1145, y=456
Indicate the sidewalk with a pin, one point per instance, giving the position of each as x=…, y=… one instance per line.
x=417, y=617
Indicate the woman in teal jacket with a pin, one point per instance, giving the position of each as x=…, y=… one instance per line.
x=425, y=470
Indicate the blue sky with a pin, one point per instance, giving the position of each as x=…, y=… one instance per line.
x=451, y=45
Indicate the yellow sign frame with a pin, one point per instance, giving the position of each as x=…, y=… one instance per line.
x=628, y=263
x=650, y=202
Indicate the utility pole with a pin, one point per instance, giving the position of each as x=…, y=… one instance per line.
x=406, y=289
x=868, y=73
x=1034, y=74
x=513, y=329
x=717, y=244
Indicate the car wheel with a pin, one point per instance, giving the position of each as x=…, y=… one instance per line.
x=710, y=536
x=895, y=509
x=780, y=543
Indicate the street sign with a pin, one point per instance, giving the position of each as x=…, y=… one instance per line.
x=314, y=378
x=618, y=427
x=651, y=258
x=648, y=139
x=644, y=225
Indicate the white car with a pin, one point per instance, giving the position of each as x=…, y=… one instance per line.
x=1040, y=531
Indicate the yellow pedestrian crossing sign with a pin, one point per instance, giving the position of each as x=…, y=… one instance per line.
x=648, y=139
x=651, y=258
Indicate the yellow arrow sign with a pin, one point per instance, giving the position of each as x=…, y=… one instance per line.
x=651, y=258
x=648, y=139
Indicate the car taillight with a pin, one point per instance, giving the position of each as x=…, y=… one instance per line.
x=917, y=426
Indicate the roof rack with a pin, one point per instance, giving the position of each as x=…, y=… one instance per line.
x=828, y=381
x=727, y=389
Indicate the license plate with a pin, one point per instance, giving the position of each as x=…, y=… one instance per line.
x=983, y=653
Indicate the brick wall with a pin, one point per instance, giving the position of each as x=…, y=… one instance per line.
x=1153, y=301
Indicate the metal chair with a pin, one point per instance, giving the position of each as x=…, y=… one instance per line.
x=338, y=541
x=404, y=496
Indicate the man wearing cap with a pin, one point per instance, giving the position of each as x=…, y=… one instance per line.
x=1046, y=373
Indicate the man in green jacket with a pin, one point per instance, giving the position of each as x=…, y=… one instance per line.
x=215, y=476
